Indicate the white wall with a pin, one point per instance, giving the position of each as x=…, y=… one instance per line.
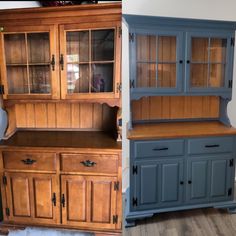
x=201, y=9
x=18, y=4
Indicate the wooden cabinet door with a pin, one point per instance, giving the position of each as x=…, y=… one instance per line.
x=32, y=198
x=90, y=59
x=89, y=201
x=29, y=66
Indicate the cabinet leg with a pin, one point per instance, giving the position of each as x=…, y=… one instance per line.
x=129, y=223
x=231, y=210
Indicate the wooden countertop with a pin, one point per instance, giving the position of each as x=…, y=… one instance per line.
x=62, y=139
x=179, y=130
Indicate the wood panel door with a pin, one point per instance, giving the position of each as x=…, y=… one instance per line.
x=29, y=62
x=89, y=201
x=90, y=59
x=32, y=198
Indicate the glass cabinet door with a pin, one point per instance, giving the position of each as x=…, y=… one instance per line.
x=29, y=63
x=207, y=61
x=89, y=64
x=157, y=63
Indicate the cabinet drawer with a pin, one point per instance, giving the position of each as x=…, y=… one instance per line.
x=158, y=148
x=210, y=145
x=95, y=163
x=29, y=160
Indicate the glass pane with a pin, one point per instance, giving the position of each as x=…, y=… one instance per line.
x=17, y=79
x=198, y=75
x=218, y=50
x=146, y=75
x=39, y=77
x=15, y=48
x=77, y=46
x=217, y=75
x=166, y=49
x=77, y=78
x=102, y=78
x=199, y=50
x=166, y=75
x=146, y=48
x=103, y=45
x=38, y=48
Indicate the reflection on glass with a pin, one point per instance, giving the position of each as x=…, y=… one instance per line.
x=15, y=48
x=77, y=46
x=166, y=75
x=17, y=79
x=217, y=75
x=218, y=50
x=146, y=75
x=199, y=75
x=146, y=48
x=199, y=49
x=102, y=78
x=39, y=77
x=38, y=47
x=77, y=78
x=166, y=49
x=102, y=45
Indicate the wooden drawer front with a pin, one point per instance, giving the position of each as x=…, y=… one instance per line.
x=210, y=145
x=29, y=161
x=89, y=163
x=158, y=148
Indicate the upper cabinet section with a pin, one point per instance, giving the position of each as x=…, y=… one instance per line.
x=180, y=57
x=62, y=53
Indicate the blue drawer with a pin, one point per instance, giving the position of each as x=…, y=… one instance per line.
x=210, y=145
x=158, y=148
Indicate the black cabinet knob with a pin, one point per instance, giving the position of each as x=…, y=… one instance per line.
x=189, y=182
x=181, y=182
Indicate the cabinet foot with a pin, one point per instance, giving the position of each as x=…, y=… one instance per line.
x=129, y=224
x=231, y=210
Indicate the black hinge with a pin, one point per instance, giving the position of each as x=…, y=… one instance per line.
x=132, y=83
x=116, y=186
x=232, y=41
x=230, y=83
x=118, y=87
x=135, y=201
x=115, y=219
x=229, y=191
x=231, y=162
x=2, y=89
x=135, y=170
x=4, y=180
x=131, y=37
x=7, y=211
x=120, y=32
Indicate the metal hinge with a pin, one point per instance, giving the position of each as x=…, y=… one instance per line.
x=4, y=180
x=118, y=87
x=120, y=32
x=231, y=162
x=232, y=41
x=132, y=83
x=135, y=201
x=115, y=219
x=135, y=170
x=229, y=191
x=2, y=89
x=116, y=186
x=230, y=83
x=131, y=37
x=7, y=211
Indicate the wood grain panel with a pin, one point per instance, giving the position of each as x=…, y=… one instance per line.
x=62, y=115
x=11, y=120
x=153, y=108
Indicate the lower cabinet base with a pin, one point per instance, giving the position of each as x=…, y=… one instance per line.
x=132, y=216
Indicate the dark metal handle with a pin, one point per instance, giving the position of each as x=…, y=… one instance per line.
x=188, y=61
x=160, y=149
x=212, y=146
x=54, y=199
x=62, y=62
x=181, y=61
x=189, y=182
x=181, y=182
x=53, y=62
x=63, y=200
x=28, y=161
x=88, y=163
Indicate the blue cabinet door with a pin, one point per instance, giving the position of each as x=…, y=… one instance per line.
x=158, y=184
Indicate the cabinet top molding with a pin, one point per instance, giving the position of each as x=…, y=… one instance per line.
x=141, y=20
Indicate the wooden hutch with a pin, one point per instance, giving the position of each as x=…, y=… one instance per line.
x=60, y=160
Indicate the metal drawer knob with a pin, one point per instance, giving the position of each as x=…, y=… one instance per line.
x=28, y=161
x=88, y=163
x=160, y=149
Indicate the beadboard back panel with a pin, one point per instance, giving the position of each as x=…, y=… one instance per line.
x=65, y=116
x=152, y=108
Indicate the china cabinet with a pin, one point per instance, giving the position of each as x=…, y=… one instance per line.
x=60, y=161
x=182, y=145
